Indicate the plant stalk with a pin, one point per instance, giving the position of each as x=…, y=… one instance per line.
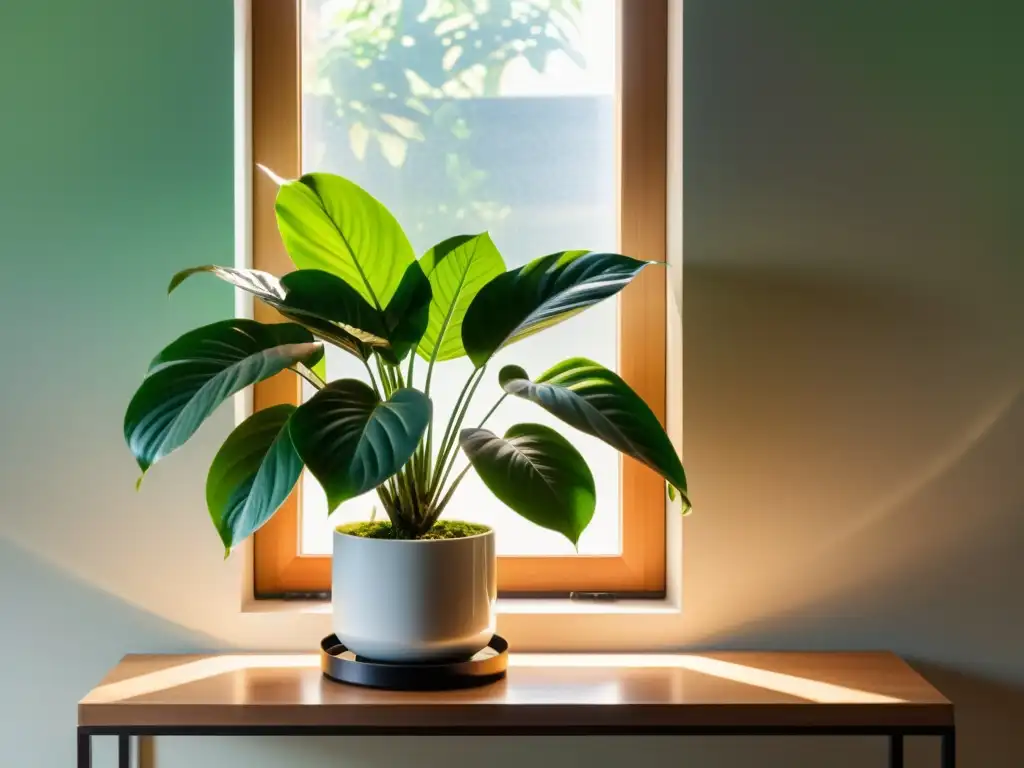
x=451, y=434
x=310, y=375
x=451, y=464
x=385, y=382
x=373, y=381
x=491, y=412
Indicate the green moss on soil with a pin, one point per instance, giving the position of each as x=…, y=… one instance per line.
x=443, y=529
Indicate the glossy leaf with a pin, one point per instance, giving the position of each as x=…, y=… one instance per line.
x=537, y=473
x=196, y=373
x=540, y=294
x=262, y=285
x=352, y=441
x=316, y=296
x=594, y=400
x=457, y=269
x=313, y=296
x=406, y=315
x=330, y=223
x=252, y=474
x=321, y=301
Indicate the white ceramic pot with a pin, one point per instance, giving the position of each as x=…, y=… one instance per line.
x=414, y=601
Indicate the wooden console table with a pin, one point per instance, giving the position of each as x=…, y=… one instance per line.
x=729, y=694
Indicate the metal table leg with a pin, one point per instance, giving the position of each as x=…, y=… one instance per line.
x=84, y=750
x=949, y=749
x=896, y=751
x=124, y=751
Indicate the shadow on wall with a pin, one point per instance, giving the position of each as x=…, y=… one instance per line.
x=55, y=634
x=869, y=442
x=864, y=442
x=989, y=716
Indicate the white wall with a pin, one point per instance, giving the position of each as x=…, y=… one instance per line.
x=852, y=335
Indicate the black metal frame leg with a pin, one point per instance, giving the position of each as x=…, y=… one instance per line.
x=949, y=749
x=124, y=750
x=84, y=750
x=896, y=751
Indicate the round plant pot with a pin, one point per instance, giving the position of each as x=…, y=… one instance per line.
x=414, y=601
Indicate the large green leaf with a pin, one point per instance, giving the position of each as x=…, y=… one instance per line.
x=537, y=473
x=595, y=400
x=328, y=304
x=329, y=223
x=406, y=315
x=352, y=441
x=540, y=294
x=457, y=269
x=252, y=474
x=196, y=373
x=334, y=311
x=262, y=285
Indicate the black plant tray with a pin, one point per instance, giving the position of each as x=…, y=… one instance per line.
x=343, y=666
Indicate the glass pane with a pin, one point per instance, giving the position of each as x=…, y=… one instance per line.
x=461, y=117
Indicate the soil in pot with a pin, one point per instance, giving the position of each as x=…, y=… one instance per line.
x=442, y=529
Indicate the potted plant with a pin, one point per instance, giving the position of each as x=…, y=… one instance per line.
x=359, y=287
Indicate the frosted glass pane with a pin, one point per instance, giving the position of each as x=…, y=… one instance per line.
x=460, y=121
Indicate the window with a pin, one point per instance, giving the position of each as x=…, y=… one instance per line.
x=540, y=121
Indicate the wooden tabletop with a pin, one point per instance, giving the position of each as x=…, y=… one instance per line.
x=542, y=693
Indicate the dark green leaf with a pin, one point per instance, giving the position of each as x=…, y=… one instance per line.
x=537, y=473
x=329, y=223
x=196, y=373
x=457, y=269
x=268, y=289
x=540, y=294
x=594, y=400
x=406, y=314
x=252, y=474
x=332, y=308
x=318, y=300
x=352, y=441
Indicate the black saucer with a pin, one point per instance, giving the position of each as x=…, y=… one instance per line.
x=340, y=664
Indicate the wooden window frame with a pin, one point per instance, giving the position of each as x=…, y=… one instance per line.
x=280, y=567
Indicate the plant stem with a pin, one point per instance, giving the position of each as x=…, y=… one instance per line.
x=385, y=382
x=310, y=375
x=387, y=501
x=409, y=507
x=412, y=359
x=459, y=411
x=392, y=377
x=373, y=381
x=430, y=427
x=421, y=458
x=454, y=456
x=451, y=433
x=442, y=454
x=404, y=481
x=430, y=372
x=493, y=409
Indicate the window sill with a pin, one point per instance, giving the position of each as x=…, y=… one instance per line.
x=506, y=606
